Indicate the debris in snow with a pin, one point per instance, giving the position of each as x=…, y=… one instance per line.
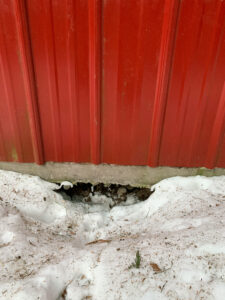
x=121, y=191
x=66, y=185
x=111, y=195
x=155, y=267
x=179, y=232
x=98, y=241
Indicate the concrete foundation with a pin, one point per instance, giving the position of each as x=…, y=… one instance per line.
x=134, y=175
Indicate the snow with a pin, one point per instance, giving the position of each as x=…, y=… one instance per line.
x=66, y=185
x=52, y=248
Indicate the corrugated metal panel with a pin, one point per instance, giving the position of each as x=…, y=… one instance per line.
x=195, y=115
x=125, y=82
x=138, y=37
x=59, y=33
x=19, y=130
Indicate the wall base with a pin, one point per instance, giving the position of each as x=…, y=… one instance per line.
x=133, y=175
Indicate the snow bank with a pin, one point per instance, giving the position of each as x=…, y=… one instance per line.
x=51, y=248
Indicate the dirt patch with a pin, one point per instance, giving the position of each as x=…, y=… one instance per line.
x=118, y=193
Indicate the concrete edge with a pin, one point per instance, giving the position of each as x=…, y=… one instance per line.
x=141, y=176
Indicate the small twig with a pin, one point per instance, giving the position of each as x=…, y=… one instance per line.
x=162, y=288
x=98, y=242
x=64, y=291
x=4, y=245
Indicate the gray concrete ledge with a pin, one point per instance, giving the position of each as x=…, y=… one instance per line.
x=133, y=175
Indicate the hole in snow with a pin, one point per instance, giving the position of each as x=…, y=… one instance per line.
x=113, y=194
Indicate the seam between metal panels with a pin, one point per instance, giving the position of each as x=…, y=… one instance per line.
x=115, y=106
x=217, y=132
x=137, y=75
x=74, y=102
x=55, y=104
x=170, y=68
x=94, y=72
x=29, y=79
x=2, y=145
x=101, y=78
x=163, y=77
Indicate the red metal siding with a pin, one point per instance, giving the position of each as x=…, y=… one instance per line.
x=191, y=129
x=59, y=35
x=19, y=131
x=110, y=81
x=136, y=55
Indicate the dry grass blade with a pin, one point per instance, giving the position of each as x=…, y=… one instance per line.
x=99, y=242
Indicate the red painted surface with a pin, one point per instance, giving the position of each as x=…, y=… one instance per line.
x=192, y=134
x=110, y=81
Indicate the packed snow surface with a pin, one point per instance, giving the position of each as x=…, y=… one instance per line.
x=51, y=248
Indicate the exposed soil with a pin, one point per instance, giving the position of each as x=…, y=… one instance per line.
x=118, y=193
